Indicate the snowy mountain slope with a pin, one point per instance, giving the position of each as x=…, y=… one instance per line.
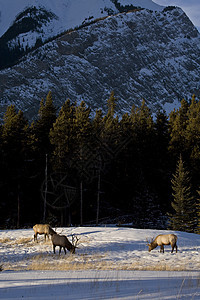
x=140, y=55
x=25, y=25
x=67, y=14
x=70, y=13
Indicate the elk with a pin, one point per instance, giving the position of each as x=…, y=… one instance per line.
x=164, y=239
x=63, y=242
x=42, y=229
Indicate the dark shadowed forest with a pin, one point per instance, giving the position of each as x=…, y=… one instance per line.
x=70, y=166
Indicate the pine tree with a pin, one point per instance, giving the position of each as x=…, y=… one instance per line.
x=142, y=119
x=110, y=133
x=97, y=122
x=14, y=132
x=161, y=163
x=177, y=128
x=193, y=131
x=183, y=203
x=40, y=148
x=111, y=102
x=47, y=110
x=161, y=137
x=83, y=152
x=82, y=138
x=125, y=124
x=46, y=118
x=143, y=136
x=14, y=146
x=97, y=136
x=82, y=122
x=62, y=136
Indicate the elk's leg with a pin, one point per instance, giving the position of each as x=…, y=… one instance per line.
x=60, y=250
x=162, y=248
x=174, y=246
x=54, y=249
x=65, y=250
x=35, y=236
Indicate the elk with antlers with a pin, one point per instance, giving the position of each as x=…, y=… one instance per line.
x=63, y=242
x=164, y=239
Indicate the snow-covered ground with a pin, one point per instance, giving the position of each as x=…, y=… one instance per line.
x=110, y=263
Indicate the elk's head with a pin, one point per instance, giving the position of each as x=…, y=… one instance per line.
x=150, y=244
x=72, y=249
x=51, y=231
x=74, y=244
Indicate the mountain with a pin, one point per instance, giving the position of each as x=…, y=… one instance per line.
x=67, y=13
x=141, y=54
x=25, y=24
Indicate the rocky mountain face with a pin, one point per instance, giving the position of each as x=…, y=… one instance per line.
x=142, y=54
x=27, y=24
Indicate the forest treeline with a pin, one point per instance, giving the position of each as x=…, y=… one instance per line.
x=72, y=167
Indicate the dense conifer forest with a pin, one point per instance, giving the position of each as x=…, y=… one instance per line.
x=70, y=166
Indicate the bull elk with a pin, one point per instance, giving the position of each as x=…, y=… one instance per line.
x=42, y=229
x=63, y=242
x=164, y=239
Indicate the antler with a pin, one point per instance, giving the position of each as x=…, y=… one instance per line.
x=149, y=242
x=152, y=239
x=56, y=230
x=75, y=240
x=61, y=231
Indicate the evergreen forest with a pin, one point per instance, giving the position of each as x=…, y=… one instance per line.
x=74, y=167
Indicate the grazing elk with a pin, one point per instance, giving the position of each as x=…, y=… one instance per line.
x=42, y=229
x=164, y=239
x=63, y=242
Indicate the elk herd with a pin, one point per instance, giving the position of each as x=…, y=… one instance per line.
x=62, y=241
x=57, y=239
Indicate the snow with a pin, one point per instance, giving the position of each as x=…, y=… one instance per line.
x=110, y=263
x=191, y=8
x=70, y=13
x=148, y=4
x=169, y=107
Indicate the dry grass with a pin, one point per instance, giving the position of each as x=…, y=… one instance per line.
x=22, y=241
x=29, y=242
x=156, y=267
x=79, y=266
x=44, y=259
x=5, y=240
x=75, y=262
x=69, y=262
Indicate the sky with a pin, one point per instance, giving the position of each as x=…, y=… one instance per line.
x=190, y=7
